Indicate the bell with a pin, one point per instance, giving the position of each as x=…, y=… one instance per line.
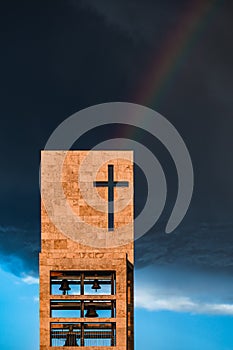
x=71, y=338
x=91, y=312
x=64, y=286
x=96, y=285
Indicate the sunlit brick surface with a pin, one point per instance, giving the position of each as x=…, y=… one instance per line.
x=62, y=252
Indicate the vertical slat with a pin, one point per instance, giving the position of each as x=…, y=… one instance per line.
x=113, y=334
x=112, y=308
x=82, y=308
x=82, y=335
x=112, y=283
x=82, y=284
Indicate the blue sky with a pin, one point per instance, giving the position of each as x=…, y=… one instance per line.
x=19, y=313
x=165, y=330
x=154, y=330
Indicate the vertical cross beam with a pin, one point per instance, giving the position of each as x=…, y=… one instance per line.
x=110, y=184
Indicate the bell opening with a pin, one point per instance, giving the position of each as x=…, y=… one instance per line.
x=91, y=312
x=64, y=286
x=71, y=338
x=96, y=285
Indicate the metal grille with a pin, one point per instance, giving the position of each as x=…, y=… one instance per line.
x=85, y=334
x=99, y=338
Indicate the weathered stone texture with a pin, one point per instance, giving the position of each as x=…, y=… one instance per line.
x=65, y=195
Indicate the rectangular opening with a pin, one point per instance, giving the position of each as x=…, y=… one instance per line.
x=57, y=283
x=83, y=308
x=65, y=308
x=100, y=308
x=105, y=281
x=99, y=336
x=83, y=334
x=82, y=282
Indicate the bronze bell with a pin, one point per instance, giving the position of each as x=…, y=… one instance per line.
x=71, y=337
x=64, y=286
x=96, y=285
x=91, y=312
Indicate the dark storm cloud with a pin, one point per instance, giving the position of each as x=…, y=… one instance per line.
x=151, y=20
x=205, y=246
x=140, y=20
x=56, y=61
x=19, y=250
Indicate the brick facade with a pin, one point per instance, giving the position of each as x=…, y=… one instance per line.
x=75, y=238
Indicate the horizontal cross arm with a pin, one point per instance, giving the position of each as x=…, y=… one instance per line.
x=121, y=184
x=100, y=183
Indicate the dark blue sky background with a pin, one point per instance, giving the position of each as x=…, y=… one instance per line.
x=58, y=57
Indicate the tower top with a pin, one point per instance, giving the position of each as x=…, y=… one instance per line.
x=87, y=200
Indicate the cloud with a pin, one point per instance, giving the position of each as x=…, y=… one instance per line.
x=200, y=106
x=179, y=290
x=139, y=20
x=204, y=245
x=187, y=271
x=19, y=250
x=155, y=302
x=30, y=280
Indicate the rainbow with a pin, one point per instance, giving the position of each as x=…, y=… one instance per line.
x=163, y=68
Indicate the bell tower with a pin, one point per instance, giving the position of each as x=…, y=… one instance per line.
x=87, y=250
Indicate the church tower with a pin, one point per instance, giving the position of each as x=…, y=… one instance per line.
x=87, y=251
